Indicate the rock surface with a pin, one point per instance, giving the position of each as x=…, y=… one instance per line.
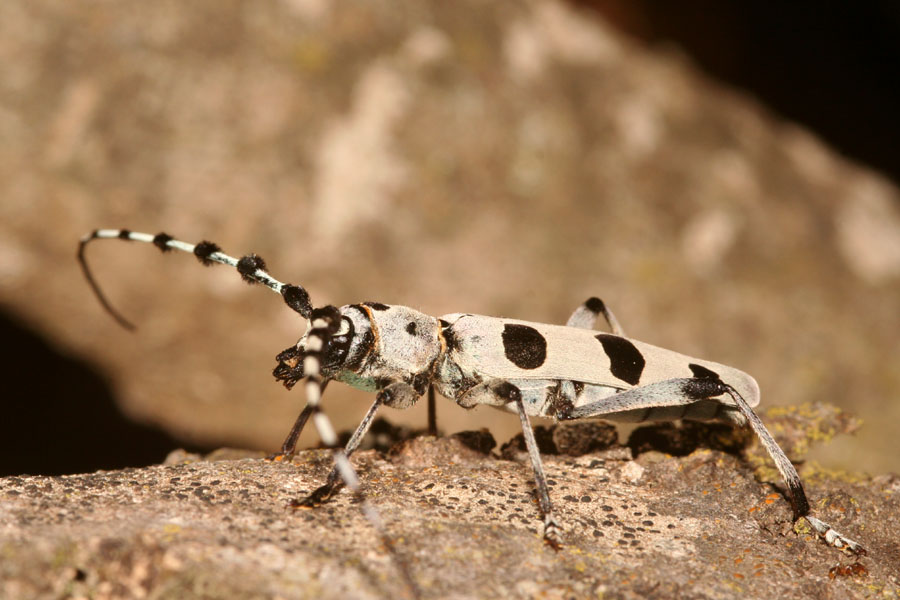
x=464, y=522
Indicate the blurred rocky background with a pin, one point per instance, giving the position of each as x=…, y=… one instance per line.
x=721, y=177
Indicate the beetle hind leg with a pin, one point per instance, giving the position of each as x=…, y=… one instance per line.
x=834, y=538
x=585, y=316
x=675, y=398
x=795, y=487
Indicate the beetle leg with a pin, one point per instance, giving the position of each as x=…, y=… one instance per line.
x=585, y=316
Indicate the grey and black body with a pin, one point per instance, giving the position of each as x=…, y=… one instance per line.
x=563, y=372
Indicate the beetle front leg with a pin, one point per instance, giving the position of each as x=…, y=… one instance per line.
x=289, y=445
x=397, y=394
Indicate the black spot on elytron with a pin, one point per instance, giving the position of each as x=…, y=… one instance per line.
x=203, y=250
x=444, y=324
x=625, y=361
x=376, y=305
x=124, y=233
x=595, y=305
x=161, y=241
x=297, y=298
x=411, y=328
x=703, y=373
x=524, y=346
x=248, y=265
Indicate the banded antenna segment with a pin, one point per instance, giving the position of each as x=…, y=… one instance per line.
x=251, y=267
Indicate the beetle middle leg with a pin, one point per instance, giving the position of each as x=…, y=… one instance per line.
x=398, y=397
x=512, y=394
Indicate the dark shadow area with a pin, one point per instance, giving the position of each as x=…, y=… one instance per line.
x=59, y=414
x=832, y=67
x=685, y=437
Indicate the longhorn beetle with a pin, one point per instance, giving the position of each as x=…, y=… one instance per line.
x=531, y=369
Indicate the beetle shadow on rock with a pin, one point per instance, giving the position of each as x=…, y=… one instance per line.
x=60, y=415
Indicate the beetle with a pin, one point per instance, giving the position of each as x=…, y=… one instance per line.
x=531, y=369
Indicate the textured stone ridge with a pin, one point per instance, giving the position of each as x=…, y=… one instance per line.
x=658, y=526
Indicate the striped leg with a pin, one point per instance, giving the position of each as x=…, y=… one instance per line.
x=585, y=316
